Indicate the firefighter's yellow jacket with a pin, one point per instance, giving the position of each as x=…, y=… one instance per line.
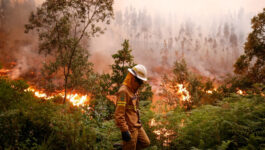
x=127, y=109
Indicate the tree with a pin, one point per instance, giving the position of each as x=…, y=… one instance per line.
x=123, y=60
x=186, y=89
x=252, y=63
x=63, y=26
x=180, y=71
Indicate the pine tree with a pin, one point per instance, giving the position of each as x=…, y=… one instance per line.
x=123, y=60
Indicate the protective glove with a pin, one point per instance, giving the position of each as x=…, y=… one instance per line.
x=126, y=136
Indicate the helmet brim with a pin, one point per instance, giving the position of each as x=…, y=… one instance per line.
x=134, y=74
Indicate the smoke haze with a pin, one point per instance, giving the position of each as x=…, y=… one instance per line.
x=208, y=34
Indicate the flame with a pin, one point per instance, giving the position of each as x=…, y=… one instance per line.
x=209, y=92
x=78, y=100
x=184, y=93
x=240, y=92
x=37, y=93
x=75, y=99
x=178, y=90
x=162, y=132
x=4, y=71
x=153, y=122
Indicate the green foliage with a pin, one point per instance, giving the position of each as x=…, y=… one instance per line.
x=145, y=92
x=236, y=122
x=181, y=71
x=195, y=85
x=11, y=92
x=107, y=135
x=62, y=26
x=123, y=60
x=27, y=122
x=146, y=115
x=252, y=63
x=233, y=83
x=103, y=108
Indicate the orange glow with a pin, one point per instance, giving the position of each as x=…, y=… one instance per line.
x=4, y=71
x=78, y=100
x=162, y=132
x=183, y=92
x=209, y=92
x=240, y=92
x=153, y=123
x=37, y=93
x=75, y=99
x=179, y=90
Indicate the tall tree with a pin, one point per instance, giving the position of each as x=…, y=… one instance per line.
x=63, y=26
x=252, y=63
x=123, y=60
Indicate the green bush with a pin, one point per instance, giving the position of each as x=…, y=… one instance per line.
x=146, y=115
x=237, y=122
x=11, y=93
x=27, y=122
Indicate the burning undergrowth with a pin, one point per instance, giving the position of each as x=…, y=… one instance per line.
x=180, y=96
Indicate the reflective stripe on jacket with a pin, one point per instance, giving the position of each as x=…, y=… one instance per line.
x=126, y=113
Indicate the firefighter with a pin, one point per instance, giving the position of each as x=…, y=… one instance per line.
x=127, y=110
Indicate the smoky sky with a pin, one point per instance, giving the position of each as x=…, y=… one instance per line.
x=208, y=34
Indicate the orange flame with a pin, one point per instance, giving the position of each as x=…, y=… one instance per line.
x=162, y=132
x=78, y=100
x=4, y=71
x=179, y=90
x=38, y=93
x=209, y=92
x=240, y=92
x=75, y=99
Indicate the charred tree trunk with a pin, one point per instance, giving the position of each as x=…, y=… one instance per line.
x=65, y=88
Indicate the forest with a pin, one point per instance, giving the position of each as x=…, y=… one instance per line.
x=67, y=104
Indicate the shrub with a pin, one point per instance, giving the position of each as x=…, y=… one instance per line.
x=237, y=122
x=28, y=122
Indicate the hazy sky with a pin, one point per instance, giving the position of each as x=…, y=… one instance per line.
x=207, y=15
x=169, y=16
x=192, y=7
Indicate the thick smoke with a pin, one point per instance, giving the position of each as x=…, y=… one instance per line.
x=15, y=46
x=209, y=37
x=209, y=43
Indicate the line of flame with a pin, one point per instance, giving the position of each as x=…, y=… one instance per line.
x=75, y=99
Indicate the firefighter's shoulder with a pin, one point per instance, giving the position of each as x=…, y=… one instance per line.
x=125, y=89
x=122, y=95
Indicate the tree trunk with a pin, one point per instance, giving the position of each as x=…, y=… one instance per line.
x=65, y=88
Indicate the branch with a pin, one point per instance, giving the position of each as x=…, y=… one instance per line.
x=81, y=36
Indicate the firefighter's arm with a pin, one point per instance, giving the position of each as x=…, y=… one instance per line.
x=120, y=112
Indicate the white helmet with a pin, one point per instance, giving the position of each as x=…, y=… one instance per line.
x=139, y=71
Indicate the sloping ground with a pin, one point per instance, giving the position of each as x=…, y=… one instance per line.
x=27, y=122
